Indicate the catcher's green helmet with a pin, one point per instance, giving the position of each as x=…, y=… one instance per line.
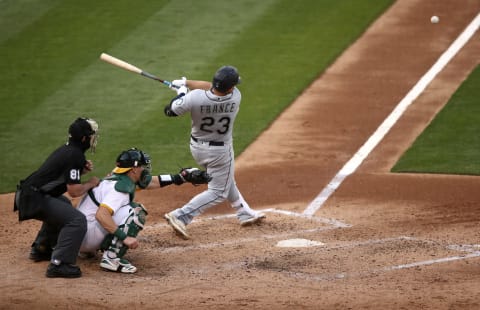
x=132, y=158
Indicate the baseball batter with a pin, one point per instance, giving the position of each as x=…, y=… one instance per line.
x=213, y=108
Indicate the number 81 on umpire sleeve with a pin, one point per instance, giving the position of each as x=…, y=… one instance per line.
x=75, y=175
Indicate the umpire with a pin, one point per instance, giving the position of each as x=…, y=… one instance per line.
x=40, y=196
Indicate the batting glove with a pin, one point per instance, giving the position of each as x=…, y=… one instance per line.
x=182, y=90
x=179, y=83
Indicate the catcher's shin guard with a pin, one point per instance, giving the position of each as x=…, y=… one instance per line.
x=132, y=226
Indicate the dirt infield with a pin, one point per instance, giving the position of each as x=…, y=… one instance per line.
x=386, y=241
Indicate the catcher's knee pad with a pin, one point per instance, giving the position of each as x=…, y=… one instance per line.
x=133, y=224
x=137, y=217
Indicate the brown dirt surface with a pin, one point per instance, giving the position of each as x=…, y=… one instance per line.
x=390, y=241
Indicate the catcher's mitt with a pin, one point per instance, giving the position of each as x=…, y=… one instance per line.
x=195, y=176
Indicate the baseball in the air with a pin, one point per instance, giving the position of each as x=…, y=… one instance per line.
x=434, y=19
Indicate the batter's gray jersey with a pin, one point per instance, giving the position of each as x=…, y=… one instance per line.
x=211, y=147
x=212, y=116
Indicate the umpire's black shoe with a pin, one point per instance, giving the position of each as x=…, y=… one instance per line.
x=39, y=256
x=63, y=271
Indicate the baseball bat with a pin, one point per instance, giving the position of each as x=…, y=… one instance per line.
x=129, y=67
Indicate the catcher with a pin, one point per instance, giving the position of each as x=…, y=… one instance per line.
x=114, y=219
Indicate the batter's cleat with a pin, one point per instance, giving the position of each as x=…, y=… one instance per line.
x=118, y=265
x=39, y=256
x=177, y=225
x=63, y=271
x=246, y=218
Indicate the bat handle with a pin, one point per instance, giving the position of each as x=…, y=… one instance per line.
x=153, y=77
x=169, y=84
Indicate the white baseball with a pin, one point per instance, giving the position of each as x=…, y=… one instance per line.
x=434, y=19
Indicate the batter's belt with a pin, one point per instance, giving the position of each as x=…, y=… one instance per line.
x=211, y=143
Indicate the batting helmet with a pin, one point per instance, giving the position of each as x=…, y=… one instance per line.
x=132, y=158
x=225, y=78
x=84, y=127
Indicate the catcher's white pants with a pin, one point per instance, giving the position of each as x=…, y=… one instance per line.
x=96, y=233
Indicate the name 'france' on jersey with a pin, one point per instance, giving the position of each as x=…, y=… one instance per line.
x=212, y=116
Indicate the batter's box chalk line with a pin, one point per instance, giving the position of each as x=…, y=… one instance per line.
x=467, y=251
x=237, y=241
x=327, y=221
x=331, y=224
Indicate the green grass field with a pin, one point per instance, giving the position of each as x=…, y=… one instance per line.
x=51, y=72
x=451, y=142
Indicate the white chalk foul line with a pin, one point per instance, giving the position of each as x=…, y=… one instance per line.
x=388, y=123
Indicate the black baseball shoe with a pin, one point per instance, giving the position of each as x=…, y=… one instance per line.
x=63, y=271
x=39, y=256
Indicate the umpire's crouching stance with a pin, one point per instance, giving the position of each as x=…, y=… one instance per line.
x=40, y=197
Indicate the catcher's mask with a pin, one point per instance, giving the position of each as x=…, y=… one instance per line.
x=132, y=158
x=84, y=127
x=225, y=78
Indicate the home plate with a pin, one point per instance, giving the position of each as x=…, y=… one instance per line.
x=298, y=243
